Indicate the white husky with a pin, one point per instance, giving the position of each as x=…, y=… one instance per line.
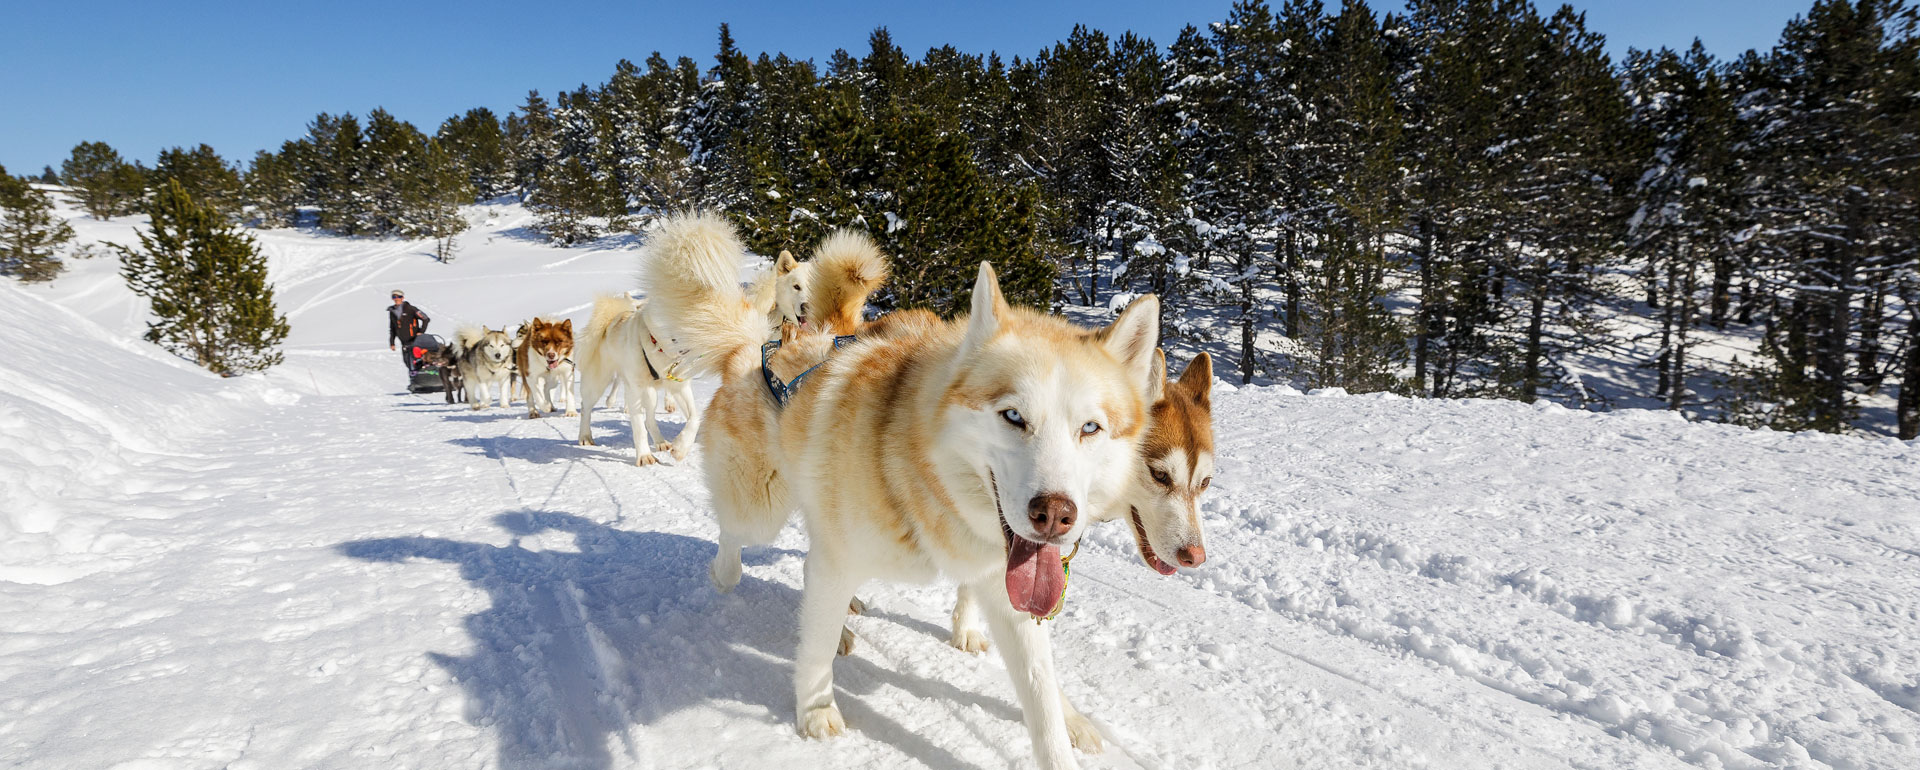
x=619, y=345
x=486, y=361
x=966, y=449
x=780, y=293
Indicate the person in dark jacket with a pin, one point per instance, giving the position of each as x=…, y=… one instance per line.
x=404, y=322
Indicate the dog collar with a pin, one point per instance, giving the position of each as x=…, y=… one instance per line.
x=783, y=391
x=1066, y=574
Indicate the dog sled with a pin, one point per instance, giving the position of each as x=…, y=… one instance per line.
x=424, y=375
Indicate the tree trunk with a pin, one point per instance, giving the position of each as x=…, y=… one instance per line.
x=1666, y=332
x=1677, y=376
x=1870, y=325
x=1292, y=260
x=1830, y=360
x=1536, y=328
x=1722, y=290
x=1908, y=409
x=1424, y=319
x=1246, y=316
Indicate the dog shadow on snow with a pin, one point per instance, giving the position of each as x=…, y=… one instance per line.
x=613, y=442
x=578, y=646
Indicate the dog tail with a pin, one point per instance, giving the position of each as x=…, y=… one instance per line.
x=691, y=275
x=608, y=309
x=466, y=338
x=847, y=267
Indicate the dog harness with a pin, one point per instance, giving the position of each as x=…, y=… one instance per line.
x=783, y=391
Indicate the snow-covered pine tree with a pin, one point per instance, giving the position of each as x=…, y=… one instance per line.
x=1830, y=119
x=204, y=175
x=274, y=187
x=1353, y=205
x=336, y=172
x=98, y=180
x=477, y=142
x=432, y=196
x=207, y=283
x=533, y=140
x=30, y=234
x=566, y=202
x=1687, y=196
x=390, y=162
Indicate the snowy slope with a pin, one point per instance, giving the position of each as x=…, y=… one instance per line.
x=309, y=568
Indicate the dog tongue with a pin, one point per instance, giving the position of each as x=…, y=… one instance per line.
x=1035, y=578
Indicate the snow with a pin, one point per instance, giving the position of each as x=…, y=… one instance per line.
x=309, y=568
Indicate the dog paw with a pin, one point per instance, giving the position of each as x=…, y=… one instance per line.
x=823, y=723
x=664, y=446
x=1083, y=735
x=856, y=607
x=645, y=459
x=573, y=413
x=478, y=407
x=724, y=577
x=969, y=640
x=587, y=441
x=680, y=452
x=846, y=641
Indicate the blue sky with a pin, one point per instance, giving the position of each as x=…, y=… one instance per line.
x=242, y=76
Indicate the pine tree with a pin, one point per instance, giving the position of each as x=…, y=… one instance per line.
x=273, y=186
x=532, y=137
x=1687, y=196
x=47, y=176
x=390, y=162
x=203, y=174
x=335, y=170
x=207, y=282
x=433, y=197
x=100, y=180
x=478, y=142
x=567, y=202
x=30, y=234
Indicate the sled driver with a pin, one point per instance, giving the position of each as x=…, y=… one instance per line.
x=404, y=322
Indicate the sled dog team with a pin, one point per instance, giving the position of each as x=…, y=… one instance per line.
x=978, y=449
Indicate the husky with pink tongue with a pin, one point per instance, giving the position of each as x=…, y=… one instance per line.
x=976, y=449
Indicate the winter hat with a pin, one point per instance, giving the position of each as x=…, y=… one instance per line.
x=399, y=293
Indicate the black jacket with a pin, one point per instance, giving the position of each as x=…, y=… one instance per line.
x=404, y=322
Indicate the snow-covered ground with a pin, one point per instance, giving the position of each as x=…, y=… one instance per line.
x=309, y=568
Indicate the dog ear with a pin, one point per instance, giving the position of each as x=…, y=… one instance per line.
x=989, y=310
x=1132, y=337
x=567, y=325
x=1198, y=378
x=787, y=263
x=1157, y=377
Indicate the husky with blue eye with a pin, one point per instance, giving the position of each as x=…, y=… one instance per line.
x=976, y=449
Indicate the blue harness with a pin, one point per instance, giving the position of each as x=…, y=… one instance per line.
x=783, y=391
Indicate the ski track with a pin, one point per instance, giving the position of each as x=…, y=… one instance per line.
x=310, y=569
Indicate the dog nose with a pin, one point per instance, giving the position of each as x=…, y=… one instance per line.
x=803, y=308
x=1051, y=514
x=1191, y=555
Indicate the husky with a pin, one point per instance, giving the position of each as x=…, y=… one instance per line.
x=544, y=356
x=906, y=452
x=1174, y=467
x=486, y=363
x=447, y=361
x=620, y=346
x=780, y=293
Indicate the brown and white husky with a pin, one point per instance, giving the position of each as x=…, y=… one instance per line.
x=544, y=356
x=966, y=449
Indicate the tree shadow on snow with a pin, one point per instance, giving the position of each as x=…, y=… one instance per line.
x=575, y=647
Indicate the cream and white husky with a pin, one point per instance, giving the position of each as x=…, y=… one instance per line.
x=619, y=345
x=486, y=362
x=780, y=293
x=966, y=449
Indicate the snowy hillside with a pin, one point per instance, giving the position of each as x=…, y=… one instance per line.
x=309, y=568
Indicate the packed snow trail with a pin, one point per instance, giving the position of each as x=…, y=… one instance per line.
x=310, y=568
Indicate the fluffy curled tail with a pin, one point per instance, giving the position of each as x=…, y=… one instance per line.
x=847, y=267
x=608, y=309
x=465, y=338
x=690, y=272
